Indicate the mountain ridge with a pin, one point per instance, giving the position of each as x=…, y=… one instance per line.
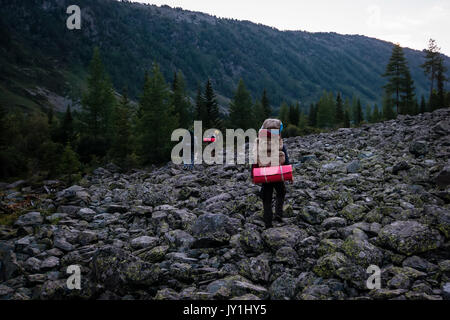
x=291, y=65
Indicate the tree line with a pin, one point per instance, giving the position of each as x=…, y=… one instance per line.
x=111, y=128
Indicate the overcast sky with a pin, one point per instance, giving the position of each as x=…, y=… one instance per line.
x=408, y=22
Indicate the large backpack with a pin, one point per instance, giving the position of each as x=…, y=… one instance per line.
x=263, y=144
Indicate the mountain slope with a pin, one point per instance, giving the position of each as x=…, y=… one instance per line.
x=291, y=65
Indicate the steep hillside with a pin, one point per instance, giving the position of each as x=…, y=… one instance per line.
x=374, y=195
x=38, y=50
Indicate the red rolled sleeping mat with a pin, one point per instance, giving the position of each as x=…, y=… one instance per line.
x=209, y=139
x=272, y=174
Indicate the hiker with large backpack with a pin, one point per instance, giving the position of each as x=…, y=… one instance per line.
x=269, y=172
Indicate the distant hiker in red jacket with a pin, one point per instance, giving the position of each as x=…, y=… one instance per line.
x=271, y=129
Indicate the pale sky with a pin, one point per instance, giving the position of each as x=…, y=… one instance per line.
x=408, y=22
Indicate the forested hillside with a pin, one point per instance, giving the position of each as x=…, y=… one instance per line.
x=38, y=50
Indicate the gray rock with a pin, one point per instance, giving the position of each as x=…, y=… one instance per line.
x=409, y=237
x=419, y=148
x=288, y=236
x=212, y=230
x=144, y=242
x=29, y=219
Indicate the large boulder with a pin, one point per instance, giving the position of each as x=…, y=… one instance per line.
x=212, y=230
x=418, y=148
x=409, y=237
x=287, y=236
x=118, y=270
x=29, y=219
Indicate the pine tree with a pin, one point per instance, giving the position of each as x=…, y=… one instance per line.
x=180, y=101
x=423, y=105
x=339, y=114
x=294, y=114
x=157, y=119
x=98, y=102
x=325, y=111
x=312, y=115
x=376, y=116
x=388, y=112
x=346, y=122
x=266, y=105
x=397, y=73
x=66, y=130
x=200, y=113
x=430, y=66
x=241, y=108
x=69, y=162
x=407, y=103
x=368, y=114
x=283, y=114
x=441, y=79
x=121, y=142
x=358, y=113
x=213, y=119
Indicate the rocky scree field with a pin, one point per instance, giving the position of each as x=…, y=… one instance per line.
x=374, y=195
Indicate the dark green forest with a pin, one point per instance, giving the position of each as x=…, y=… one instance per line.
x=139, y=72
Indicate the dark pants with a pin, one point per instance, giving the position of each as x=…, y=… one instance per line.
x=267, y=191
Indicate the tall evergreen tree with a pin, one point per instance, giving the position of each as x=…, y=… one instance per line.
x=346, y=122
x=180, y=101
x=157, y=119
x=200, y=113
x=283, y=114
x=241, y=108
x=430, y=66
x=312, y=115
x=266, y=105
x=423, y=105
x=407, y=103
x=396, y=72
x=66, y=130
x=358, y=113
x=339, y=114
x=388, y=111
x=441, y=79
x=99, y=100
x=294, y=114
x=325, y=111
x=121, y=142
x=213, y=119
x=369, y=113
x=376, y=116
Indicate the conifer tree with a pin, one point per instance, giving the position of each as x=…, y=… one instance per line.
x=423, y=105
x=397, y=73
x=180, y=101
x=430, y=66
x=99, y=100
x=441, y=79
x=241, y=115
x=66, y=130
x=211, y=108
x=312, y=115
x=283, y=114
x=407, y=103
x=388, y=112
x=157, y=120
x=376, y=116
x=346, y=123
x=339, y=114
x=358, y=113
x=200, y=113
x=368, y=113
x=266, y=105
x=326, y=110
x=121, y=142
